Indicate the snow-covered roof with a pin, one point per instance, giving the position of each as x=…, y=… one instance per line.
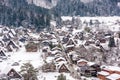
x=112, y=68
x=13, y=43
x=6, y=36
x=103, y=73
x=13, y=31
x=71, y=42
x=53, y=23
x=60, y=58
x=54, y=41
x=64, y=28
x=115, y=68
x=70, y=45
x=56, y=48
x=62, y=64
x=11, y=35
x=55, y=52
x=113, y=76
x=77, y=31
x=90, y=63
x=34, y=35
x=2, y=53
x=82, y=60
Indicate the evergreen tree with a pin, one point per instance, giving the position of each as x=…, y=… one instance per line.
x=87, y=29
x=28, y=72
x=93, y=8
x=111, y=42
x=18, y=11
x=61, y=77
x=91, y=22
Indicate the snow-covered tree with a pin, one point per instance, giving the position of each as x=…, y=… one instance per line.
x=111, y=42
x=29, y=72
x=61, y=77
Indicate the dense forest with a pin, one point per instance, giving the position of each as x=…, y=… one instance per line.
x=20, y=13
x=94, y=8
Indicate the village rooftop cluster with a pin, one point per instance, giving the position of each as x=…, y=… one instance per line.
x=79, y=47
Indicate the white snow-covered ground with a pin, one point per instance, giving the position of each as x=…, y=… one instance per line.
x=107, y=23
x=101, y=19
x=86, y=1
x=44, y=3
x=34, y=58
x=21, y=57
x=53, y=76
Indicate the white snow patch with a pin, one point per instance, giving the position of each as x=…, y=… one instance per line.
x=114, y=77
x=53, y=76
x=86, y=1
x=65, y=18
x=103, y=73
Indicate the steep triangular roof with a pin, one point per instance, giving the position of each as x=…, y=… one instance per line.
x=56, y=48
x=14, y=74
x=12, y=43
x=10, y=35
x=12, y=31
x=2, y=43
x=5, y=29
x=82, y=48
x=71, y=42
x=2, y=53
x=5, y=36
x=63, y=68
x=76, y=36
x=11, y=46
x=59, y=59
x=68, y=35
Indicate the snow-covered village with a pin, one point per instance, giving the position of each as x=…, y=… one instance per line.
x=83, y=48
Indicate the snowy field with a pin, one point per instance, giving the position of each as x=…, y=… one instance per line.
x=53, y=76
x=101, y=19
x=34, y=58
x=22, y=57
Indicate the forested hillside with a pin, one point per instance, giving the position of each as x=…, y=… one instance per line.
x=27, y=13
x=20, y=13
x=92, y=8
